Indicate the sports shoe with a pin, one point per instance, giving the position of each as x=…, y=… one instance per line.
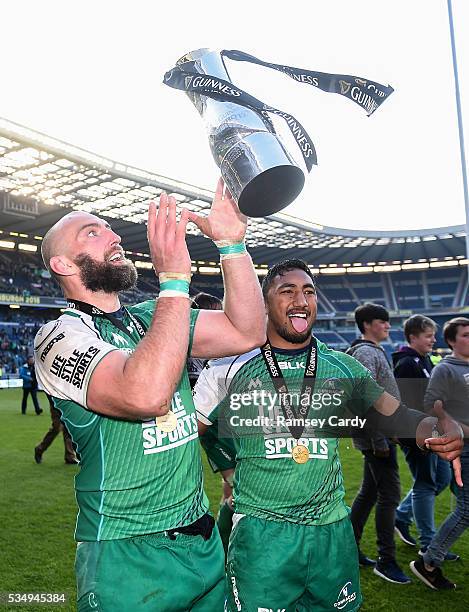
x=450, y=556
x=403, y=531
x=365, y=561
x=40, y=411
x=37, y=455
x=433, y=579
x=391, y=572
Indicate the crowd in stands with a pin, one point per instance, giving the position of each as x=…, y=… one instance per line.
x=25, y=276
x=15, y=346
x=17, y=331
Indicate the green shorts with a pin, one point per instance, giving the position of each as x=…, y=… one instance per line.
x=293, y=568
x=151, y=573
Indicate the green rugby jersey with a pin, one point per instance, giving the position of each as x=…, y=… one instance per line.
x=268, y=483
x=134, y=478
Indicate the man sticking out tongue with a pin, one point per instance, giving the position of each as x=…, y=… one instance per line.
x=288, y=486
x=299, y=321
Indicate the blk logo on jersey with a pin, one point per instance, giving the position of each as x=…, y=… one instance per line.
x=156, y=440
x=291, y=365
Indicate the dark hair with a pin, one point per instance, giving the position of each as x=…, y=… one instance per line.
x=366, y=313
x=206, y=301
x=279, y=269
x=450, y=329
x=417, y=324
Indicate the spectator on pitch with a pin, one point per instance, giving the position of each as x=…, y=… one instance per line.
x=412, y=369
x=28, y=375
x=380, y=485
x=56, y=427
x=118, y=376
x=449, y=383
x=292, y=545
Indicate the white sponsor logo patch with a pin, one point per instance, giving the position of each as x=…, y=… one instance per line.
x=235, y=593
x=281, y=447
x=344, y=597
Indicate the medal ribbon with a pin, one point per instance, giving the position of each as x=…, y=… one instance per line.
x=94, y=311
x=281, y=388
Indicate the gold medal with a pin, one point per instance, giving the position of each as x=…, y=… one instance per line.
x=300, y=453
x=168, y=422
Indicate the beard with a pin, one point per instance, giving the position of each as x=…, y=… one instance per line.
x=105, y=276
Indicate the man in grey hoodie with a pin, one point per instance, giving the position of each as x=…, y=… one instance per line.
x=380, y=485
x=449, y=383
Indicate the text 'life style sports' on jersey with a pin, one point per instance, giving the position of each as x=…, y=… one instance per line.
x=268, y=484
x=135, y=478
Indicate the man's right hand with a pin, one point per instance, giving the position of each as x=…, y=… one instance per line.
x=449, y=442
x=167, y=237
x=225, y=221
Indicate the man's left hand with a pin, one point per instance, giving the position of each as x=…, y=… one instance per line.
x=225, y=221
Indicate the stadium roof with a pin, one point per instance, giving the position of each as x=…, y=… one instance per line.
x=42, y=178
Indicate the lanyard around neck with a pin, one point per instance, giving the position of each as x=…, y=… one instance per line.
x=281, y=388
x=94, y=311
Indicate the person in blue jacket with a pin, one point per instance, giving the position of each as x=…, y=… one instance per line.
x=28, y=374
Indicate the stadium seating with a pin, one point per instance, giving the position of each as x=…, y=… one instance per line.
x=435, y=292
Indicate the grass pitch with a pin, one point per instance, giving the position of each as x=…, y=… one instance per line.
x=38, y=511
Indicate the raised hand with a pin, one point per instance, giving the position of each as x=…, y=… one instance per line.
x=225, y=221
x=167, y=237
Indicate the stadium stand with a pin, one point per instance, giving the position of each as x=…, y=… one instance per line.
x=41, y=179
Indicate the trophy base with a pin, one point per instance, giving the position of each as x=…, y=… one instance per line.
x=260, y=175
x=271, y=191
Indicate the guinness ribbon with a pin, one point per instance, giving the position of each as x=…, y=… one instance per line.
x=281, y=388
x=367, y=94
x=94, y=311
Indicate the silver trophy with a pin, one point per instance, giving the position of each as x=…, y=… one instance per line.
x=259, y=172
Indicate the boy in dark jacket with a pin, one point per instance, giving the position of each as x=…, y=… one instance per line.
x=412, y=369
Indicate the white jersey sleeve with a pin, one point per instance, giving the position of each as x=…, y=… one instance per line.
x=213, y=384
x=66, y=353
x=211, y=387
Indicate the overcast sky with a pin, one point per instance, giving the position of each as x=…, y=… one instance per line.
x=90, y=73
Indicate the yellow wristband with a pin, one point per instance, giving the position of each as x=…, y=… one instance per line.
x=232, y=256
x=168, y=276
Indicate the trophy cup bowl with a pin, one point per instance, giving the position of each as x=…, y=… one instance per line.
x=259, y=172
